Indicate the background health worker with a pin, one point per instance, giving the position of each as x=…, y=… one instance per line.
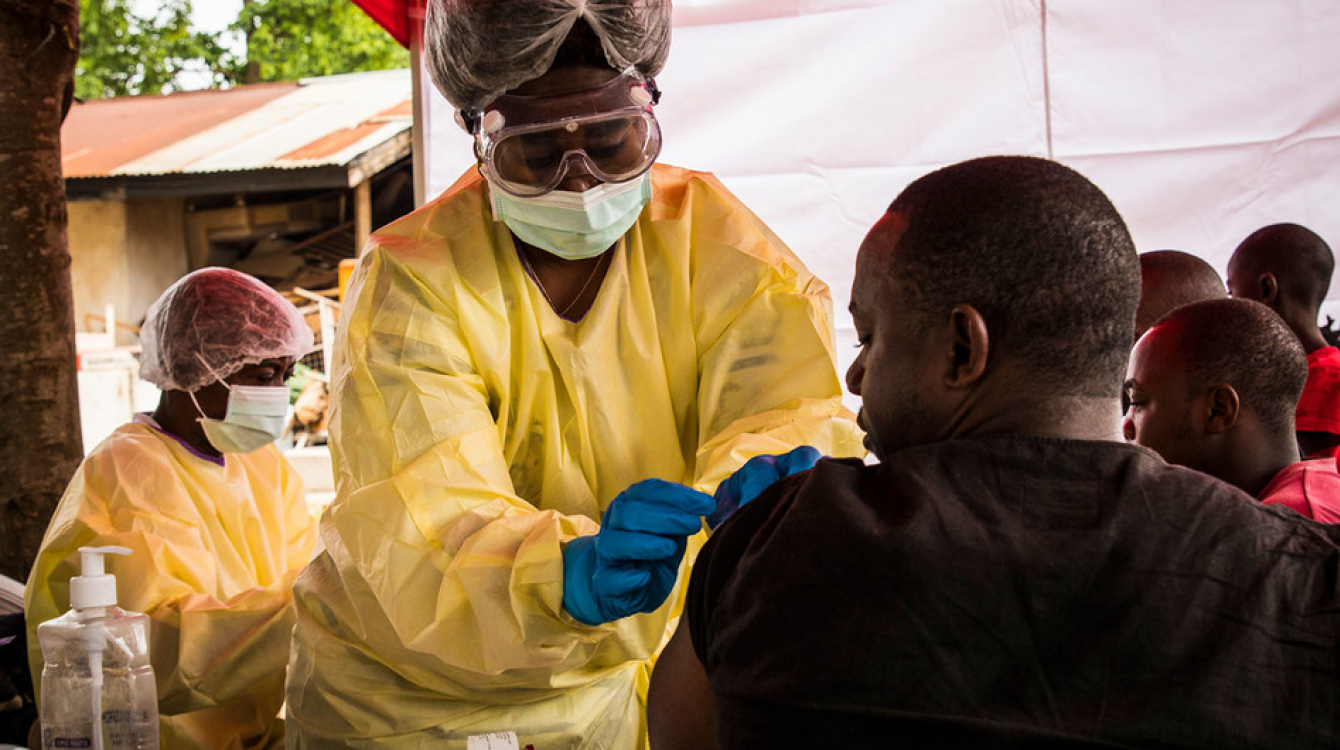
x=530, y=369
x=214, y=516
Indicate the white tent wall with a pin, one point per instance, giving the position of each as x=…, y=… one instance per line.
x=1202, y=119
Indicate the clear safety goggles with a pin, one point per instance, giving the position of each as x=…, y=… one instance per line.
x=529, y=144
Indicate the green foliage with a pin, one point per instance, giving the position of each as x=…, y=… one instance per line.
x=123, y=53
x=290, y=39
x=126, y=53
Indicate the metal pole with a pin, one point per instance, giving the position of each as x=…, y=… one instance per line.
x=419, y=141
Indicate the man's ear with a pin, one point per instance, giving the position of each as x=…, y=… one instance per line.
x=970, y=347
x=1269, y=287
x=1222, y=409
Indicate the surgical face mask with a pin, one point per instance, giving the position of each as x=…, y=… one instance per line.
x=574, y=225
x=256, y=417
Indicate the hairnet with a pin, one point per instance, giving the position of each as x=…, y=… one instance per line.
x=213, y=322
x=477, y=49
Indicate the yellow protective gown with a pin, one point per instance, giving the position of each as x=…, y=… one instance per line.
x=214, y=551
x=475, y=431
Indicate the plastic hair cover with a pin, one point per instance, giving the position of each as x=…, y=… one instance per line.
x=212, y=323
x=478, y=49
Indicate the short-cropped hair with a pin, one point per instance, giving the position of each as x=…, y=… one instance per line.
x=1249, y=347
x=1040, y=252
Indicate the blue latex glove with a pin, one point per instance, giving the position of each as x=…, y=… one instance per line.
x=630, y=566
x=755, y=476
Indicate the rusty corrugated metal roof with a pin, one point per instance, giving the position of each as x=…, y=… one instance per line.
x=314, y=122
x=101, y=135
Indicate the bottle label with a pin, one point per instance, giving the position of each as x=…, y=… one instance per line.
x=122, y=728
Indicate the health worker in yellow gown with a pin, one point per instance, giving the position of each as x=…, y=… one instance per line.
x=214, y=516
x=541, y=378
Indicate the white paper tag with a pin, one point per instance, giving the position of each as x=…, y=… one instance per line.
x=492, y=741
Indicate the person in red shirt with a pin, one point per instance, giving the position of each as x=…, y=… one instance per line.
x=1288, y=268
x=1309, y=487
x=1212, y=386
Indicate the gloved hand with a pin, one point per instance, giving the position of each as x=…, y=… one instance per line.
x=755, y=476
x=631, y=564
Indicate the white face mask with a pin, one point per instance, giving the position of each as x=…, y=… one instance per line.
x=574, y=225
x=256, y=417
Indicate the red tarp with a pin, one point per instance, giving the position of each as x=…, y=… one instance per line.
x=393, y=15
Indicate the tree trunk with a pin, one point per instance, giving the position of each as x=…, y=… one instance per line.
x=251, y=73
x=40, y=445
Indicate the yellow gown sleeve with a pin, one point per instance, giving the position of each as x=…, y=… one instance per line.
x=768, y=380
x=209, y=651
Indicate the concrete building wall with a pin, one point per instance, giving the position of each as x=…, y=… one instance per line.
x=156, y=235
x=97, y=232
x=124, y=253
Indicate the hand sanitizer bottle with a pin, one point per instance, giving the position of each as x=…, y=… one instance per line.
x=97, y=685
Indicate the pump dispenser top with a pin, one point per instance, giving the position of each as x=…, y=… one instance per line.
x=94, y=587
